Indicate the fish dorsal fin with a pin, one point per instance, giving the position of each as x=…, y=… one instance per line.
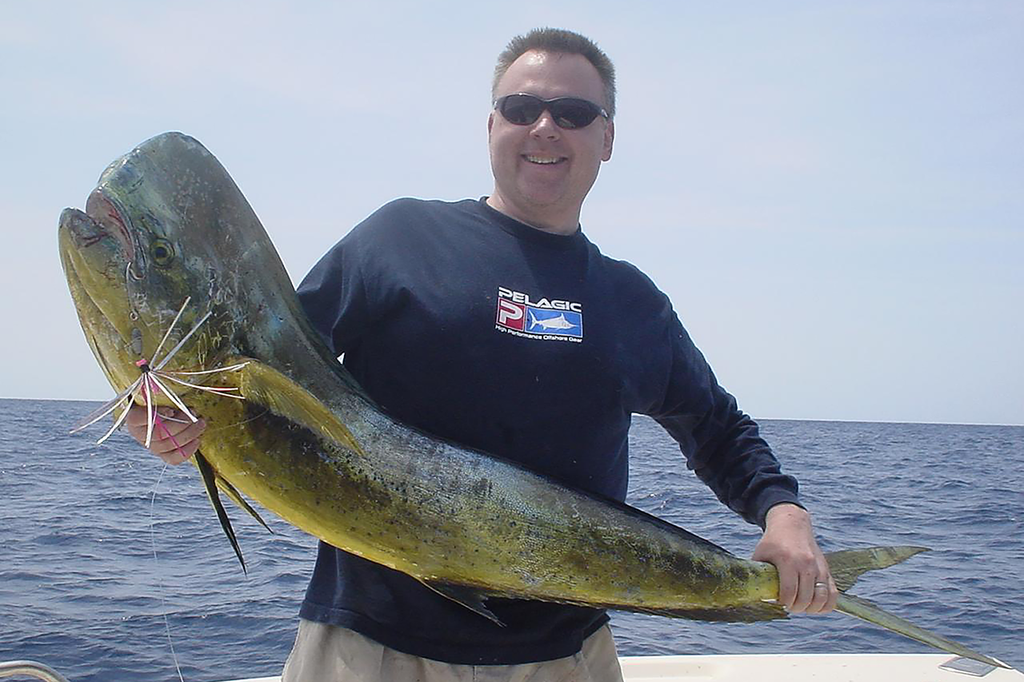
x=849, y=564
x=263, y=385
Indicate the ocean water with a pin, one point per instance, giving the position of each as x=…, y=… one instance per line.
x=113, y=566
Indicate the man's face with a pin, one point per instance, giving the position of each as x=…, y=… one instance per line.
x=542, y=172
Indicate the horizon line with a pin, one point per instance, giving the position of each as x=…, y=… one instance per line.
x=758, y=419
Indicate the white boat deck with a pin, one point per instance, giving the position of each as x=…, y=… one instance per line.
x=804, y=668
x=798, y=668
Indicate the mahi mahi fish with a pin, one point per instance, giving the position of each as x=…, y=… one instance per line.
x=185, y=302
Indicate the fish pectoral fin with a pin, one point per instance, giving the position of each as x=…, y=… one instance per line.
x=210, y=483
x=467, y=596
x=263, y=385
x=849, y=564
x=237, y=498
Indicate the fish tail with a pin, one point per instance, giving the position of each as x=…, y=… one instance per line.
x=865, y=610
x=849, y=564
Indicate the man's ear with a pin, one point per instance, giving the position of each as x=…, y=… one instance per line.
x=609, y=140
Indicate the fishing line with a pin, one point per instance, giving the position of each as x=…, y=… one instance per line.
x=147, y=385
x=159, y=575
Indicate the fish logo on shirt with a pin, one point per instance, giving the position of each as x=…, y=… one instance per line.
x=550, y=323
x=544, y=319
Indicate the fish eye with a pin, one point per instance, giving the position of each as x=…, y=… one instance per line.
x=162, y=251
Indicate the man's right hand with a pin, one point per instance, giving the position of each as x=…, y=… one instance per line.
x=175, y=442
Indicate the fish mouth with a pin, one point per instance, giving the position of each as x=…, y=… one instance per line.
x=107, y=212
x=81, y=228
x=87, y=247
x=103, y=218
x=93, y=264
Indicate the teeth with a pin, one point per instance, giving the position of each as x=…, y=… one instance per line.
x=542, y=159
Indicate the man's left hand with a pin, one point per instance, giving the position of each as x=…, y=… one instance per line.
x=805, y=582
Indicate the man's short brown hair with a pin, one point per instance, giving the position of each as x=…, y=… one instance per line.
x=566, y=42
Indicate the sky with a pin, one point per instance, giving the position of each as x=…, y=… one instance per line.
x=831, y=193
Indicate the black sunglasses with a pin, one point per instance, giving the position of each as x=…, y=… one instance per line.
x=567, y=112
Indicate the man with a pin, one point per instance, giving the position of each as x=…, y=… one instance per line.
x=498, y=325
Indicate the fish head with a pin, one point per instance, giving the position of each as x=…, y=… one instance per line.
x=165, y=225
x=95, y=269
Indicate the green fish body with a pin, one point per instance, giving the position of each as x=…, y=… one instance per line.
x=288, y=427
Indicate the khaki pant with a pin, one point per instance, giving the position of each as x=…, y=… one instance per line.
x=327, y=653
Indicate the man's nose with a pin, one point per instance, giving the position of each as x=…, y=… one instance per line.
x=545, y=127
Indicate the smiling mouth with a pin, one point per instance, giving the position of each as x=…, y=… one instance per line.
x=544, y=160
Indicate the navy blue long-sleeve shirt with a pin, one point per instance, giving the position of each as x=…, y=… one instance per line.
x=532, y=346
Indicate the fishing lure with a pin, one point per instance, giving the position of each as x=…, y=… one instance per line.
x=154, y=379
